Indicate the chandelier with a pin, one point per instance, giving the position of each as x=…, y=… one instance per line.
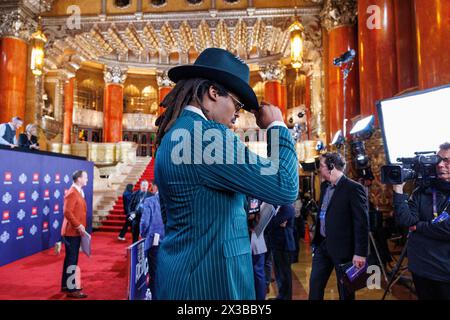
x=38, y=40
x=296, y=36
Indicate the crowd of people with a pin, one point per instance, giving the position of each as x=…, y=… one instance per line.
x=209, y=226
x=27, y=140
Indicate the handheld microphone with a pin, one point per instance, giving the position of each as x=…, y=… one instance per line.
x=345, y=57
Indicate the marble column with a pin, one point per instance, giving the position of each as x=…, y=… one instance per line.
x=113, y=103
x=339, y=21
x=377, y=53
x=273, y=74
x=433, y=46
x=14, y=34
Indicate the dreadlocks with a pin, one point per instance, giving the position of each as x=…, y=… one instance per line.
x=186, y=91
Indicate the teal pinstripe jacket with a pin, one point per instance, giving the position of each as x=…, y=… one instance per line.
x=206, y=251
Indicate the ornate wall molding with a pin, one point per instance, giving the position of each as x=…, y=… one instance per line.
x=17, y=24
x=88, y=118
x=163, y=79
x=115, y=75
x=139, y=122
x=272, y=72
x=337, y=13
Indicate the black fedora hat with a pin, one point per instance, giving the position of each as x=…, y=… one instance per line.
x=223, y=67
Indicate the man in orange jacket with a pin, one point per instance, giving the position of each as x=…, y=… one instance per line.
x=73, y=229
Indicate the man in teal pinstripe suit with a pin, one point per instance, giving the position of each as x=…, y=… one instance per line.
x=204, y=173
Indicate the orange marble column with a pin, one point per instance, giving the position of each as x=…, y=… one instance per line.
x=405, y=39
x=377, y=54
x=162, y=92
x=113, y=112
x=340, y=40
x=273, y=94
x=433, y=45
x=13, y=73
x=68, y=111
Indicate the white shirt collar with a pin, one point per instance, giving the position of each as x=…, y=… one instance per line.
x=79, y=189
x=196, y=110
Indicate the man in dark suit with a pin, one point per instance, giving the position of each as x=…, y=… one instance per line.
x=135, y=208
x=342, y=228
x=281, y=240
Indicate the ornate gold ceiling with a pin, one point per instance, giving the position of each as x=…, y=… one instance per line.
x=159, y=40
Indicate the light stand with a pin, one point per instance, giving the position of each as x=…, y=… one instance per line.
x=372, y=239
x=398, y=266
x=345, y=69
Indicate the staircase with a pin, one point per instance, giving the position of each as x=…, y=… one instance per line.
x=116, y=216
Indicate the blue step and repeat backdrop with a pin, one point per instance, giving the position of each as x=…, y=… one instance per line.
x=32, y=188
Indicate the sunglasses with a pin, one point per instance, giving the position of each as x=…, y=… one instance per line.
x=237, y=104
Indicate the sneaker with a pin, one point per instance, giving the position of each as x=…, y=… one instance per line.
x=121, y=239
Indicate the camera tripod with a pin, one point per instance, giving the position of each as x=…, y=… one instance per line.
x=397, y=268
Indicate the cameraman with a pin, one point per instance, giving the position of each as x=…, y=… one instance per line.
x=429, y=243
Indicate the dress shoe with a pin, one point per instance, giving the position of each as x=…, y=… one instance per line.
x=121, y=239
x=67, y=290
x=76, y=295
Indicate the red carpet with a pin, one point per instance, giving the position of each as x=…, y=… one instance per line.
x=116, y=217
x=38, y=277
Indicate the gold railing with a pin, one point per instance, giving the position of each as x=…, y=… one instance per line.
x=99, y=153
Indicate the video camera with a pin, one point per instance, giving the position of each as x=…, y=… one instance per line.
x=422, y=167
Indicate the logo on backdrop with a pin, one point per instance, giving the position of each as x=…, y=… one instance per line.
x=46, y=210
x=33, y=230
x=21, y=214
x=7, y=198
x=55, y=224
x=66, y=179
x=4, y=237
x=19, y=233
x=57, y=194
x=23, y=178
x=45, y=226
x=35, y=195
x=34, y=212
x=47, y=178
x=8, y=178
x=47, y=194
x=21, y=197
x=57, y=178
x=35, y=178
x=56, y=209
x=5, y=217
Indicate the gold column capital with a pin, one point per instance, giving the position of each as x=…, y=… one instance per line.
x=338, y=13
x=272, y=72
x=114, y=74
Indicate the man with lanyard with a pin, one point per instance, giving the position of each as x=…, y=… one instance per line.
x=425, y=213
x=135, y=208
x=342, y=230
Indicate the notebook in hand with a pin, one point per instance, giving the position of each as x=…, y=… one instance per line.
x=354, y=278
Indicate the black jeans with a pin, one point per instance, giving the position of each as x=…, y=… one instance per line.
x=152, y=256
x=428, y=289
x=135, y=225
x=125, y=227
x=283, y=274
x=72, y=245
x=322, y=266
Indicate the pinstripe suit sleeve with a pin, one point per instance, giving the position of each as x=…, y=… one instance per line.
x=273, y=180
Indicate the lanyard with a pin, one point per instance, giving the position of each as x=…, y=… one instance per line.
x=435, y=204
